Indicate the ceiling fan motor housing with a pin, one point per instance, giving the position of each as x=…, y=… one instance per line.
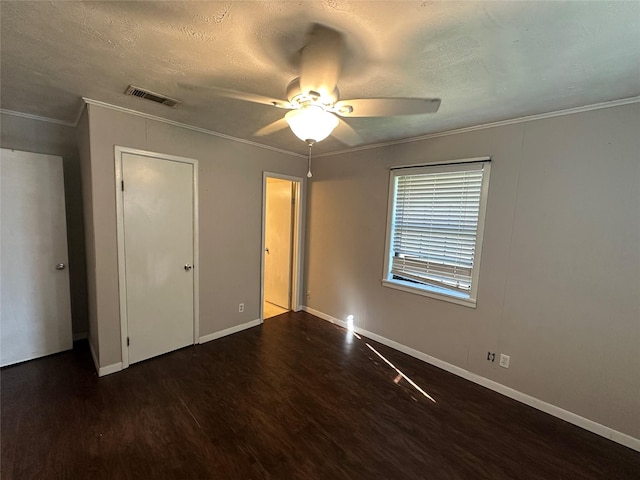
x=296, y=96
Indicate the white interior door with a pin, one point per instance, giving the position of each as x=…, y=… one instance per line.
x=158, y=216
x=35, y=314
x=278, y=240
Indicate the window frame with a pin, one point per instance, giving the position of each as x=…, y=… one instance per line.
x=433, y=291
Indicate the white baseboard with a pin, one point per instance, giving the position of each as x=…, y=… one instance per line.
x=109, y=369
x=102, y=371
x=80, y=336
x=590, y=425
x=326, y=317
x=229, y=331
x=116, y=367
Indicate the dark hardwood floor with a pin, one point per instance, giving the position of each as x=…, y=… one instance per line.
x=294, y=398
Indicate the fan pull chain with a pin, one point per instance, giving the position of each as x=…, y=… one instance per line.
x=309, y=174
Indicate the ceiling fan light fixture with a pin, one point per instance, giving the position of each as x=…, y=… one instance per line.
x=311, y=123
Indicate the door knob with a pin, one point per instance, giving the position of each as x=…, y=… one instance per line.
x=60, y=266
x=188, y=267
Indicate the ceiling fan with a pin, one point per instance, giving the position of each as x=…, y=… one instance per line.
x=313, y=98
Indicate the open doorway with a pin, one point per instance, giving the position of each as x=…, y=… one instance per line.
x=281, y=244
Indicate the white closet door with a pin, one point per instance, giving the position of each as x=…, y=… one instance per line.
x=35, y=314
x=158, y=201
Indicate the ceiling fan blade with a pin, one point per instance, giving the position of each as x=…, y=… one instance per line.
x=249, y=97
x=321, y=61
x=386, y=107
x=272, y=128
x=346, y=134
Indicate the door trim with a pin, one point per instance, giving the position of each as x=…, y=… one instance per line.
x=296, y=254
x=122, y=280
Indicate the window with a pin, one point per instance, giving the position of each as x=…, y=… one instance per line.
x=434, y=235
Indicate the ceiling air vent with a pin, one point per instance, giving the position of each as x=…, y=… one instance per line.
x=154, y=97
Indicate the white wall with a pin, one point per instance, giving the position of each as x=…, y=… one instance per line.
x=230, y=203
x=559, y=283
x=38, y=136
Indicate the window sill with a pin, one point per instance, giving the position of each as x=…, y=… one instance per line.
x=432, y=292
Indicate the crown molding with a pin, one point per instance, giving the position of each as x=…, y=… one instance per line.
x=502, y=123
x=38, y=118
x=188, y=127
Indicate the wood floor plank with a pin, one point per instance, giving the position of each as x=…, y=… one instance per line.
x=293, y=398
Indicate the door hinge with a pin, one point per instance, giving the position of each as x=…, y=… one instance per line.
x=122, y=185
x=127, y=341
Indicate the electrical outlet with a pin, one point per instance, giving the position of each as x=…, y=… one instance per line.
x=308, y=294
x=491, y=356
x=504, y=360
x=241, y=307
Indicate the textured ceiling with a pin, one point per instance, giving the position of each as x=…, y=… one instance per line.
x=487, y=61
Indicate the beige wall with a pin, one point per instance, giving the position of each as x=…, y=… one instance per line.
x=559, y=283
x=37, y=136
x=84, y=151
x=230, y=208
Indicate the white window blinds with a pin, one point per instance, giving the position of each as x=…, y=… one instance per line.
x=435, y=225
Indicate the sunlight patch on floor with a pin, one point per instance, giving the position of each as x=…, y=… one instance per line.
x=400, y=374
